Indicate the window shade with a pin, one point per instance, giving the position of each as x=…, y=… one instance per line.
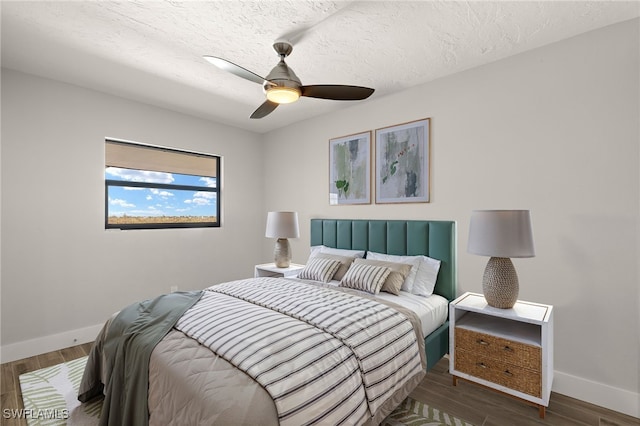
x=140, y=157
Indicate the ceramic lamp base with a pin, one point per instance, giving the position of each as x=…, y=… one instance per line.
x=500, y=283
x=282, y=253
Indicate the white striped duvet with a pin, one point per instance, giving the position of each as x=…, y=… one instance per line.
x=324, y=356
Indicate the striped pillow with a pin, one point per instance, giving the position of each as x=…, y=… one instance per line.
x=319, y=269
x=345, y=262
x=365, y=277
x=394, y=281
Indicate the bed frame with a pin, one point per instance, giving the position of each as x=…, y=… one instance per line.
x=436, y=239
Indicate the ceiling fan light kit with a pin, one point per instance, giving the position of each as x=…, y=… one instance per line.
x=283, y=95
x=282, y=85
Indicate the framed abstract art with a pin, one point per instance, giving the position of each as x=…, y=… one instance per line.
x=350, y=169
x=402, y=163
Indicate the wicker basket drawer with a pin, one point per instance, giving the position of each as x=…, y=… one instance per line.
x=499, y=349
x=511, y=376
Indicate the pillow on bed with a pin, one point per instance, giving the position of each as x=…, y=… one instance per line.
x=369, y=278
x=414, y=261
x=426, y=277
x=394, y=281
x=339, y=252
x=424, y=271
x=345, y=262
x=319, y=269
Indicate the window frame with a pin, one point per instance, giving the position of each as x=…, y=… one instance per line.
x=178, y=187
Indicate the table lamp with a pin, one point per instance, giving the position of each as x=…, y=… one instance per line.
x=282, y=225
x=501, y=234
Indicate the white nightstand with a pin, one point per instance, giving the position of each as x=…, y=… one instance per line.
x=271, y=270
x=508, y=350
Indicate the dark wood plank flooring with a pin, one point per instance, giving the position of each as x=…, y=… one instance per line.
x=484, y=407
x=475, y=404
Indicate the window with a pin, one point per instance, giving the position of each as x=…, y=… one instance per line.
x=149, y=187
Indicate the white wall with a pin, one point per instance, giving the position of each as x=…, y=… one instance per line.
x=554, y=130
x=62, y=273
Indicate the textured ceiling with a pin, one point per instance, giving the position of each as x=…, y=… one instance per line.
x=151, y=51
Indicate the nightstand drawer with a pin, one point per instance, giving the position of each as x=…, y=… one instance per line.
x=502, y=373
x=499, y=349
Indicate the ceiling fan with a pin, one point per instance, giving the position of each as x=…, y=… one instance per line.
x=282, y=85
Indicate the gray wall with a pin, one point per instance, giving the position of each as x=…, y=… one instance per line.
x=61, y=270
x=554, y=130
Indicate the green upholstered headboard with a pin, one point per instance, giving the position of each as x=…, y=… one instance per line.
x=436, y=239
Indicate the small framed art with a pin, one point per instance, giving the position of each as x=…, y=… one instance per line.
x=402, y=163
x=350, y=169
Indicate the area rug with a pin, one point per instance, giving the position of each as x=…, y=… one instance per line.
x=50, y=399
x=50, y=396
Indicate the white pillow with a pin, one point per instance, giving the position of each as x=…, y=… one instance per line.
x=314, y=250
x=426, y=277
x=422, y=277
x=339, y=252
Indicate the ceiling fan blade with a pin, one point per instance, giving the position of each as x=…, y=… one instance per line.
x=225, y=65
x=265, y=109
x=336, y=92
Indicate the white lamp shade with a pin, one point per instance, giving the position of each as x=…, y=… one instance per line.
x=282, y=225
x=501, y=233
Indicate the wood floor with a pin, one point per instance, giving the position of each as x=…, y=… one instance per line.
x=467, y=401
x=483, y=407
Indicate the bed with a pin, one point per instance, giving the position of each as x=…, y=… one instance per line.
x=436, y=239
x=222, y=372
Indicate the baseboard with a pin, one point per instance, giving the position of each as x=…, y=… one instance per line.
x=54, y=342
x=606, y=396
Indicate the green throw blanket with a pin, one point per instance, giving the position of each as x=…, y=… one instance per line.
x=126, y=350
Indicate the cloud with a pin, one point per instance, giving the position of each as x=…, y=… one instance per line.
x=139, y=175
x=210, y=182
x=201, y=201
x=119, y=202
x=202, y=198
x=205, y=194
x=161, y=193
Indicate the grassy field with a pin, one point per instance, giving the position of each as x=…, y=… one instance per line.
x=135, y=220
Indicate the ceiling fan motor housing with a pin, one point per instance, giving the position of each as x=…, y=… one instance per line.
x=282, y=76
